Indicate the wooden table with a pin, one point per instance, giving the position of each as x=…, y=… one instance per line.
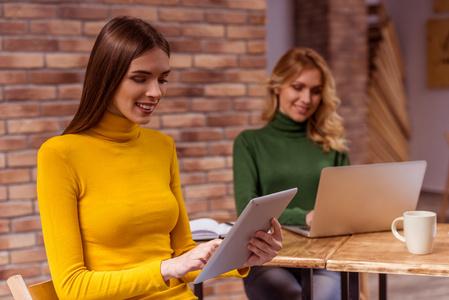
x=382, y=253
x=301, y=252
x=306, y=253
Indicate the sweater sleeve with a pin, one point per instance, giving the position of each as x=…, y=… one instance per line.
x=246, y=178
x=58, y=192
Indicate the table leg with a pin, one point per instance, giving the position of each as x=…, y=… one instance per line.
x=350, y=286
x=307, y=284
x=198, y=290
x=344, y=285
x=382, y=286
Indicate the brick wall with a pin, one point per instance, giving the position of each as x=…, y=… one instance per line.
x=218, y=60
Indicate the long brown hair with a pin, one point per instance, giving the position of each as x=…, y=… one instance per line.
x=120, y=41
x=325, y=127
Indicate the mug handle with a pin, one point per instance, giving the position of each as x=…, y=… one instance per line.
x=395, y=231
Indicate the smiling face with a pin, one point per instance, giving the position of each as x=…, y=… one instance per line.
x=300, y=98
x=142, y=87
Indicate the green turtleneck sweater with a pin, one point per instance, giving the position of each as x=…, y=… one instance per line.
x=276, y=157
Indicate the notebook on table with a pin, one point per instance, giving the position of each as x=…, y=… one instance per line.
x=233, y=252
x=363, y=198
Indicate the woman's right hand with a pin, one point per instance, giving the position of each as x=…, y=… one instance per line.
x=309, y=218
x=193, y=260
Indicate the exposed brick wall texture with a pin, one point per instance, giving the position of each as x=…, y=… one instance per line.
x=214, y=92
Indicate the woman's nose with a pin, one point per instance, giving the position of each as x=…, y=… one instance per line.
x=154, y=91
x=306, y=96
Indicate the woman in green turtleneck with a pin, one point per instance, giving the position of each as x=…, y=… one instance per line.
x=304, y=134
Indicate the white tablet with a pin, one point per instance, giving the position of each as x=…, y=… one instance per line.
x=233, y=252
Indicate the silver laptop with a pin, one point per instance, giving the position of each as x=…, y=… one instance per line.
x=363, y=198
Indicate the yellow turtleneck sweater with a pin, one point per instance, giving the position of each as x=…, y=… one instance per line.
x=111, y=209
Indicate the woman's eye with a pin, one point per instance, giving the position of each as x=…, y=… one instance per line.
x=138, y=79
x=297, y=87
x=163, y=80
x=317, y=91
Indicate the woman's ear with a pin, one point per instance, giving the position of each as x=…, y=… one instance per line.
x=277, y=90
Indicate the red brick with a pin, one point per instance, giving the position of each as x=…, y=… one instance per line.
x=246, y=76
x=222, y=204
x=257, y=19
x=215, y=61
x=12, y=77
x=199, y=31
x=26, y=270
x=158, y=2
x=203, y=164
x=205, y=3
x=172, y=106
x=148, y=14
x=13, y=27
x=184, y=91
x=30, y=126
x=29, y=11
x=206, y=105
x=173, y=30
x=12, y=143
x=181, y=61
x=222, y=148
x=2, y=128
x=77, y=45
x=202, y=135
x=9, y=111
x=15, y=209
x=253, y=62
x=202, y=76
x=181, y=15
x=257, y=47
x=2, y=161
x=225, y=90
x=4, y=260
x=257, y=90
x=22, y=191
x=247, y=4
x=226, y=17
x=4, y=226
x=56, y=27
x=220, y=176
x=183, y=120
x=189, y=46
x=84, y=12
x=27, y=224
x=22, y=159
x=21, y=61
x=60, y=109
x=27, y=256
x=192, y=178
x=31, y=44
x=70, y=91
x=249, y=104
x=234, y=47
x=54, y=77
x=186, y=150
x=196, y=206
x=3, y=193
x=62, y=60
x=246, y=32
x=93, y=28
x=31, y=93
x=205, y=191
x=14, y=176
x=227, y=120
x=36, y=140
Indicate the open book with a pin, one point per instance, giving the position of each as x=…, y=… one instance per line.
x=208, y=229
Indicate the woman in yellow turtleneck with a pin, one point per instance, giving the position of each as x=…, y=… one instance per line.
x=113, y=218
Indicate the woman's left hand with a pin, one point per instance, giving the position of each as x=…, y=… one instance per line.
x=265, y=246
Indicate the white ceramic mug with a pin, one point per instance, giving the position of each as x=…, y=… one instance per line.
x=419, y=231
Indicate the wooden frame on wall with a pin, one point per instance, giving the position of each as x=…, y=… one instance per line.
x=438, y=53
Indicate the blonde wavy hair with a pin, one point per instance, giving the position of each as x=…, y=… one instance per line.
x=325, y=127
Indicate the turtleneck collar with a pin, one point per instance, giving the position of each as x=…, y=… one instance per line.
x=284, y=125
x=115, y=128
